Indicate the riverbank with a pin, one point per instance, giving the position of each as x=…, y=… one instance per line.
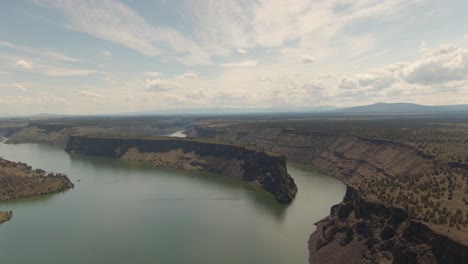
x=19, y=180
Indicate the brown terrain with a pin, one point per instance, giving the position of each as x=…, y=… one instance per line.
x=407, y=183
x=18, y=180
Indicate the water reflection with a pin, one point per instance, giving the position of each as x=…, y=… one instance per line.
x=122, y=169
x=130, y=212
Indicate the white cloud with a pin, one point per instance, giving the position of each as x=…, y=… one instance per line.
x=247, y=63
x=152, y=73
x=190, y=75
x=90, y=94
x=51, y=71
x=441, y=71
x=23, y=64
x=326, y=76
x=439, y=66
x=105, y=53
x=43, y=53
x=241, y=51
x=314, y=25
x=377, y=81
x=20, y=87
x=348, y=83
x=308, y=60
x=160, y=85
x=116, y=22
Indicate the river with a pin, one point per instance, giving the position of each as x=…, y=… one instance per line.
x=129, y=212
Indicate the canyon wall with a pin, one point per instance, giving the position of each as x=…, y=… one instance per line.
x=362, y=231
x=258, y=168
x=392, y=211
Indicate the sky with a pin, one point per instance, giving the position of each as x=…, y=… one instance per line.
x=104, y=56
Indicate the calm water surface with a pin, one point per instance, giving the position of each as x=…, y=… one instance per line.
x=128, y=212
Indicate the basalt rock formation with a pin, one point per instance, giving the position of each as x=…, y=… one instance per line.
x=405, y=202
x=362, y=231
x=258, y=168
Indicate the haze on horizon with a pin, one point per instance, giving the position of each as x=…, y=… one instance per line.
x=103, y=56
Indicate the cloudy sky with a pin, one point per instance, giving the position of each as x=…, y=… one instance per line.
x=103, y=56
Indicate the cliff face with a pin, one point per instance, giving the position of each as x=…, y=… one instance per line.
x=362, y=231
x=403, y=205
x=259, y=168
x=339, y=154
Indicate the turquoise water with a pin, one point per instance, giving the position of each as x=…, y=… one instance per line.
x=129, y=212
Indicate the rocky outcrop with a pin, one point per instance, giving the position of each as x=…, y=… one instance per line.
x=258, y=168
x=363, y=231
x=18, y=180
x=5, y=216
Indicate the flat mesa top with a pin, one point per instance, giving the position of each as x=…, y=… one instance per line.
x=212, y=141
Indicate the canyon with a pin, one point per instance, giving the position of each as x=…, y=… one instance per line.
x=407, y=188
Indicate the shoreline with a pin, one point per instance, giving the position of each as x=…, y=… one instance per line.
x=258, y=168
x=19, y=180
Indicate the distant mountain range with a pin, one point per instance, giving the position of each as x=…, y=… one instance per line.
x=402, y=109
x=373, y=109
x=230, y=111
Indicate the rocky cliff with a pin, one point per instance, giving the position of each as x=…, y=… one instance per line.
x=404, y=204
x=258, y=168
x=362, y=231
